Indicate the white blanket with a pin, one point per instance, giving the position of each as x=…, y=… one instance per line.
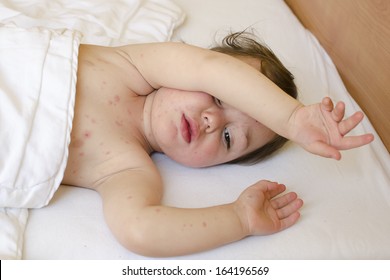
x=38, y=70
x=102, y=22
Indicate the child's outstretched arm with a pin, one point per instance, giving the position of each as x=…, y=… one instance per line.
x=133, y=210
x=319, y=128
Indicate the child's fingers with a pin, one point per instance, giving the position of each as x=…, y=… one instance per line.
x=350, y=123
x=284, y=200
x=276, y=189
x=338, y=112
x=322, y=149
x=289, y=221
x=289, y=209
x=352, y=142
x=327, y=104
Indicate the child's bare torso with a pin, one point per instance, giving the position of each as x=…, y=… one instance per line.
x=107, y=125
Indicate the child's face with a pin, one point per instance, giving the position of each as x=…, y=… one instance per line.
x=195, y=129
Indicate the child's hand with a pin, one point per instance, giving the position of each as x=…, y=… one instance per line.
x=262, y=213
x=320, y=129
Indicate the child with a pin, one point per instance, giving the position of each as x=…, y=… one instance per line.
x=201, y=108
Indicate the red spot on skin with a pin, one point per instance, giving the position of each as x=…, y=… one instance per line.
x=81, y=154
x=157, y=210
x=87, y=134
x=117, y=98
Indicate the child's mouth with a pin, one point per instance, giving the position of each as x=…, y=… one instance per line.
x=185, y=129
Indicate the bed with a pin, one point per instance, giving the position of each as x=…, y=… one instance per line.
x=347, y=203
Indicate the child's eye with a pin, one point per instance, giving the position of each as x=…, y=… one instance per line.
x=217, y=101
x=226, y=137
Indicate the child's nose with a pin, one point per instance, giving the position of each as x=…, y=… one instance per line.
x=212, y=120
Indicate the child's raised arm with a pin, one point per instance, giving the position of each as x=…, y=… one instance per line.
x=186, y=67
x=318, y=128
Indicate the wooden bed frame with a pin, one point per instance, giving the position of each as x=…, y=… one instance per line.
x=356, y=35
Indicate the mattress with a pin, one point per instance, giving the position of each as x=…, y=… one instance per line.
x=347, y=203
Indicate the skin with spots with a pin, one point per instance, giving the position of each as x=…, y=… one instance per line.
x=188, y=103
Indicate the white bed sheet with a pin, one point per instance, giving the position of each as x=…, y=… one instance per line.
x=347, y=203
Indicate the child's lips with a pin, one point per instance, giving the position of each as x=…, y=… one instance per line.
x=185, y=129
x=188, y=129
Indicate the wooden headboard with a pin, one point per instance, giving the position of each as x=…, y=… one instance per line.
x=356, y=35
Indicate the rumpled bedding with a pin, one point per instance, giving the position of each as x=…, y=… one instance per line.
x=38, y=67
x=102, y=22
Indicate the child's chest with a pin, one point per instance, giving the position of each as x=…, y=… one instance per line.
x=105, y=132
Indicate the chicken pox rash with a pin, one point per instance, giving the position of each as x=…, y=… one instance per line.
x=87, y=134
x=115, y=101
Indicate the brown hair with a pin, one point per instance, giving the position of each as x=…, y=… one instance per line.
x=244, y=44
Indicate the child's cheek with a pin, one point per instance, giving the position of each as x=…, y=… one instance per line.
x=206, y=155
